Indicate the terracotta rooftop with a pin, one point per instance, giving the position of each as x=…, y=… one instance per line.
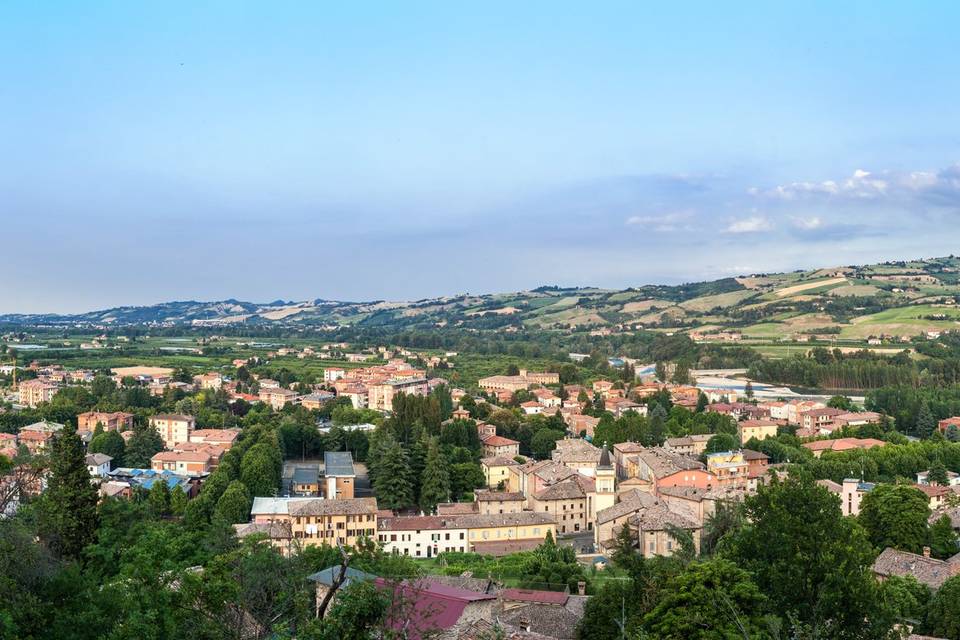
x=929, y=571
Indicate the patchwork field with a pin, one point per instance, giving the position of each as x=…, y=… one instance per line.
x=786, y=292
x=903, y=321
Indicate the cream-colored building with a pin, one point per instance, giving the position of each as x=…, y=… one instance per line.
x=185, y=463
x=524, y=380
x=577, y=454
x=35, y=392
x=499, y=502
x=380, y=396
x=570, y=503
x=609, y=521
x=650, y=528
x=277, y=397
x=692, y=445
x=174, y=429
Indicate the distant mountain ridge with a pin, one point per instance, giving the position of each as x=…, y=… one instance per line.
x=908, y=296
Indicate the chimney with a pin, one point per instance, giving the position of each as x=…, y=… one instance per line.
x=581, y=588
x=926, y=552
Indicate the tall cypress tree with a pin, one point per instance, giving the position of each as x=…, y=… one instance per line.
x=68, y=508
x=393, y=487
x=435, y=484
x=926, y=423
x=417, y=461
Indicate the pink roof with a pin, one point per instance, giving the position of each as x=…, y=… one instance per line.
x=436, y=606
x=498, y=441
x=843, y=444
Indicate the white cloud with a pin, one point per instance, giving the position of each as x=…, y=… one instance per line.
x=672, y=221
x=941, y=187
x=753, y=224
x=807, y=224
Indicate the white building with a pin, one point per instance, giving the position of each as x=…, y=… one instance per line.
x=421, y=536
x=98, y=464
x=332, y=374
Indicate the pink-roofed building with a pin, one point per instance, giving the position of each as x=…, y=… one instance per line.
x=498, y=446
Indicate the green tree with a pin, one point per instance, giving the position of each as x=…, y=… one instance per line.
x=661, y=371
x=159, y=498
x=722, y=442
x=110, y=443
x=393, y=485
x=702, y=402
x=681, y=373
x=435, y=483
x=260, y=470
x=357, y=613
x=465, y=477
x=233, y=507
x=102, y=387
x=926, y=423
x=142, y=446
x=68, y=508
x=178, y=501
x=943, y=539
x=544, y=441
x=938, y=473
x=811, y=562
x=895, y=515
x=903, y=599
x=840, y=402
x=943, y=614
x=709, y=600
x=726, y=519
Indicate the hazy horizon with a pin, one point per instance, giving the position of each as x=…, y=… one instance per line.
x=234, y=150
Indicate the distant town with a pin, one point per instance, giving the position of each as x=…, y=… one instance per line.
x=492, y=494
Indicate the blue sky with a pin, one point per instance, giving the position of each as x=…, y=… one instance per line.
x=184, y=150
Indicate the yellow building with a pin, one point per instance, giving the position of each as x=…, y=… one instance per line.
x=497, y=470
x=729, y=467
x=318, y=521
x=759, y=429
x=508, y=531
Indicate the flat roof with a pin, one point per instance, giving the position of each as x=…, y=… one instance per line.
x=306, y=474
x=338, y=463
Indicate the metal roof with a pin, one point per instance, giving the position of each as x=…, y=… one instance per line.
x=338, y=463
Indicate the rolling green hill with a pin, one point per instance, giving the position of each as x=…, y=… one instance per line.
x=893, y=300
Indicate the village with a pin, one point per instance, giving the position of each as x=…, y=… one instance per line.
x=586, y=489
